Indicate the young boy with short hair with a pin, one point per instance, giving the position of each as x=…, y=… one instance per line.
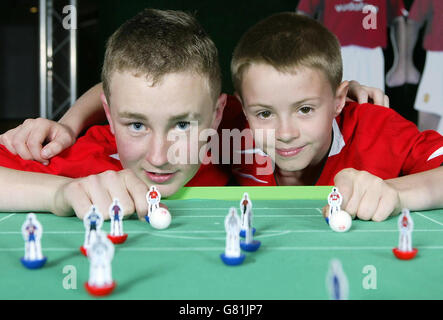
x=287, y=72
x=161, y=79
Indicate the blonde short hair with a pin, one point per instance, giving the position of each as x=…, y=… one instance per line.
x=159, y=42
x=286, y=41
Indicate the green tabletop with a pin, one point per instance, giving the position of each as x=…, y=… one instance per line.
x=182, y=262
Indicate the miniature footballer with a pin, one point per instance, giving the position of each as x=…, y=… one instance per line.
x=153, y=197
x=32, y=232
x=245, y=205
x=249, y=244
x=334, y=200
x=405, y=227
x=100, y=254
x=116, y=234
x=232, y=255
x=92, y=222
x=336, y=281
x=339, y=220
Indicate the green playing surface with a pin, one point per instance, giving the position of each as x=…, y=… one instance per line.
x=183, y=261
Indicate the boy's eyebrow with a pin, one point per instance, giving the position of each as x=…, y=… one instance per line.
x=293, y=104
x=141, y=116
x=186, y=115
x=132, y=115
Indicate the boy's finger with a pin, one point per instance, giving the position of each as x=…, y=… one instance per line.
x=137, y=190
x=377, y=97
x=362, y=96
x=52, y=149
x=352, y=199
x=18, y=141
x=386, y=101
x=368, y=204
x=385, y=208
x=344, y=181
x=325, y=211
x=35, y=144
x=22, y=150
x=5, y=139
x=389, y=205
x=80, y=202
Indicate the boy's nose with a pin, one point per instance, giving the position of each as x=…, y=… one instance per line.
x=157, y=151
x=287, y=130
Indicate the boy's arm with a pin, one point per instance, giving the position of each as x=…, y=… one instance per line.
x=369, y=197
x=22, y=191
x=420, y=191
x=86, y=111
x=41, y=139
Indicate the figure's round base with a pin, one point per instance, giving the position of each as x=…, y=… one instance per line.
x=243, y=232
x=230, y=261
x=33, y=264
x=405, y=255
x=250, y=247
x=84, y=251
x=147, y=219
x=100, y=291
x=118, y=239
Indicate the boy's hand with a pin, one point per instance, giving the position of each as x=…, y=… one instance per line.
x=364, y=94
x=366, y=196
x=27, y=139
x=80, y=194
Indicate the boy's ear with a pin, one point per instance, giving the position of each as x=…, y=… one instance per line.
x=340, y=97
x=219, y=108
x=107, y=111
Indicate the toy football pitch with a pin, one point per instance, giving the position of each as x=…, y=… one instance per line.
x=183, y=261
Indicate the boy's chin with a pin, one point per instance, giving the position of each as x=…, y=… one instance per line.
x=291, y=166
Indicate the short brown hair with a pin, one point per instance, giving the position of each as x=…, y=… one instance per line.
x=159, y=42
x=285, y=41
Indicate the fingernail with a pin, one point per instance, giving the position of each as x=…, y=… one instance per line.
x=45, y=163
x=46, y=153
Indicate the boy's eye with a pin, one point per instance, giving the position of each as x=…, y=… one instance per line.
x=305, y=110
x=183, y=125
x=264, y=114
x=136, y=126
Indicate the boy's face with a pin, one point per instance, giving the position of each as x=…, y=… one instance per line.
x=299, y=107
x=142, y=117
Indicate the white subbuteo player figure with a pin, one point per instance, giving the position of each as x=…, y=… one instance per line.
x=100, y=254
x=335, y=200
x=405, y=226
x=153, y=197
x=93, y=222
x=232, y=255
x=32, y=232
x=232, y=227
x=405, y=251
x=116, y=215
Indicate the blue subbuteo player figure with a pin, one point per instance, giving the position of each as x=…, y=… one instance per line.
x=32, y=232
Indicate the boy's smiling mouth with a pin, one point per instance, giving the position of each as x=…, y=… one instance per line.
x=290, y=152
x=159, y=177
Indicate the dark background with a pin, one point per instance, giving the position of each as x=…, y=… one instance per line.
x=225, y=21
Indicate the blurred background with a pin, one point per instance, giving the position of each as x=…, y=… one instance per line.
x=20, y=59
